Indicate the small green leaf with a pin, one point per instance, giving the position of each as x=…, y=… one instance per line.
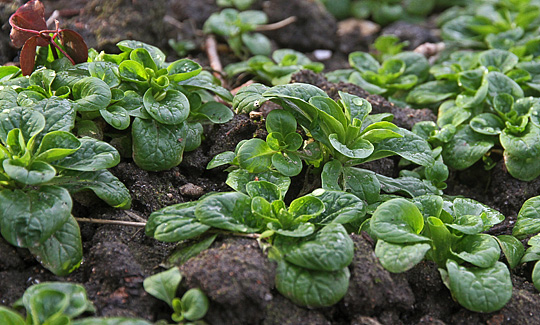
x=480, y=289
x=339, y=207
x=280, y=121
x=117, y=116
x=311, y=288
x=91, y=94
x=359, y=149
x=57, y=145
x=528, y=218
x=230, y=211
x=464, y=206
x=238, y=179
x=398, y=258
x=163, y=285
x=512, y=248
x=91, y=156
x=195, y=304
x=466, y=148
x=175, y=223
x=10, y=317
x=171, y=110
x=270, y=192
x=37, y=173
x=480, y=250
x=398, y=221
x=288, y=163
x=221, y=159
x=255, y=156
x=487, y=123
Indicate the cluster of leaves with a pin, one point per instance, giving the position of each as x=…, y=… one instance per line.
x=341, y=135
x=168, y=102
x=484, y=107
x=57, y=303
x=499, y=24
x=386, y=11
x=393, y=77
x=448, y=232
x=309, y=239
x=42, y=163
x=191, y=307
x=275, y=71
x=238, y=29
x=29, y=30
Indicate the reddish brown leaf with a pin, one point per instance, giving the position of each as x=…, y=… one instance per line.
x=31, y=16
x=28, y=55
x=74, y=45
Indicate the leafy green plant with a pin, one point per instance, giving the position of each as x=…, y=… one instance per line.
x=392, y=78
x=448, y=232
x=275, y=71
x=42, y=163
x=191, y=307
x=308, y=238
x=342, y=135
x=237, y=28
x=57, y=303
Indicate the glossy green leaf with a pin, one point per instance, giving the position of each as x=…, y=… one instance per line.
x=26, y=119
x=269, y=191
x=183, y=69
x=249, y=98
x=216, y=112
x=487, y=123
x=466, y=148
x=10, y=317
x=432, y=92
x=300, y=230
x=480, y=250
x=309, y=206
x=238, y=179
x=398, y=221
x=155, y=53
x=362, y=183
x=206, y=81
x=499, y=83
x=512, y=248
x=28, y=218
x=528, y=218
x=171, y=110
x=363, y=61
x=230, y=211
x=521, y=152
x=480, y=289
x=57, y=145
x=59, y=114
x=91, y=156
x=37, y=173
x=398, y=258
x=117, y=116
x=288, y=163
x=339, y=207
x=409, y=146
x=255, y=156
x=464, y=206
x=358, y=149
x=62, y=252
x=163, y=285
x=175, y=223
x=311, y=288
x=157, y=146
x=91, y=94
x=195, y=304
x=280, y=121
x=106, y=71
x=221, y=159
x=257, y=43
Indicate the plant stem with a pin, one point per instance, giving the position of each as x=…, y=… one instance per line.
x=213, y=56
x=274, y=26
x=112, y=222
x=54, y=52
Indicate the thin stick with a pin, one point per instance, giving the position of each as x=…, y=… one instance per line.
x=134, y=216
x=274, y=26
x=112, y=222
x=213, y=57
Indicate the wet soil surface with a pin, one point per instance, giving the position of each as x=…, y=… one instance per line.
x=234, y=272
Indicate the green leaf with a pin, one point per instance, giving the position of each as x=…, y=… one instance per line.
x=280, y=121
x=339, y=207
x=362, y=183
x=26, y=119
x=521, y=152
x=29, y=218
x=287, y=163
x=355, y=107
x=37, y=173
x=175, y=223
x=106, y=71
x=91, y=94
x=398, y=258
x=117, y=116
x=487, y=123
x=10, y=317
x=163, y=285
x=171, y=110
x=300, y=230
x=74, y=295
x=206, y=81
x=528, y=218
x=104, y=184
x=433, y=92
x=215, y=112
x=502, y=60
x=499, y=83
x=409, y=146
x=464, y=206
x=480, y=250
x=358, y=150
x=363, y=61
x=311, y=288
x=398, y=221
x=512, y=248
x=142, y=56
x=257, y=43
x=182, y=254
x=299, y=90
x=466, y=148
x=330, y=249
x=59, y=114
x=230, y=211
x=57, y=145
x=467, y=224
x=155, y=53
x=183, y=69
x=480, y=289
x=221, y=159
x=255, y=156
x=270, y=192
x=195, y=304
x=238, y=179
x=249, y=98
x=93, y=155
x=157, y=146
x=306, y=206
x=62, y=252
x=132, y=71
x=410, y=185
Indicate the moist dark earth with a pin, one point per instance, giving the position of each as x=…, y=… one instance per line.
x=234, y=272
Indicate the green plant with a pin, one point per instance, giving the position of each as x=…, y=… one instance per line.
x=341, y=135
x=275, y=71
x=308, y=238
x=57, y=303
x=42, y=163
x=392, y=78
x=238, y=4
x=237, y=27
x=193, y=305
x=448, y=232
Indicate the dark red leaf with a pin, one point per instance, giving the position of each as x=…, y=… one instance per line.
x=28, y=55
x=30, y=16
x=74, y=45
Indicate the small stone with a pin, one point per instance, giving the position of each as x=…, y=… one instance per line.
x=191, y=190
